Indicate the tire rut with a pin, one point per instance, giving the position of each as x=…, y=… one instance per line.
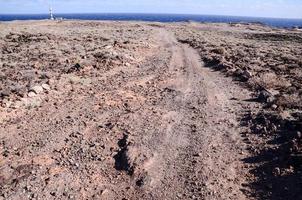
x=161, y=128
x=197, y=149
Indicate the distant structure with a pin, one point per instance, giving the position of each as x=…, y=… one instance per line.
x=51, y=14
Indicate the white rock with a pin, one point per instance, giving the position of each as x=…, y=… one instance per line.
x=18, y=104
x=37, y=89
x=31, y=102
x=31, y=94
x=8, y=104
x=51, y=82
x=108, y=47
x=45, y=86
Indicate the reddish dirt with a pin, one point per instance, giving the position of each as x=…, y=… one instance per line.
x=109, y=110
x=268, y=62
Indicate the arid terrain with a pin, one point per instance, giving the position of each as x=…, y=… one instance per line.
x=137, y=110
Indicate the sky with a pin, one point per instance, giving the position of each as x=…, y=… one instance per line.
x=256, y=8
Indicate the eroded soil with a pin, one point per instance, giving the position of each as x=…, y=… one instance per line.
x=109, y=110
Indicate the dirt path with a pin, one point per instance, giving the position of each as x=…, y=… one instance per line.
x=197, y=150
x=165, y=129
x=190, y=146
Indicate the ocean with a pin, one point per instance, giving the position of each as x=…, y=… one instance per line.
x=275, y=22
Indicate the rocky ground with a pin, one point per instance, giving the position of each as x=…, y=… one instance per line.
x=268, y=62
x=134, y=110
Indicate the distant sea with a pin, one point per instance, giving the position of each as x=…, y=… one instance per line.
x=275, y=22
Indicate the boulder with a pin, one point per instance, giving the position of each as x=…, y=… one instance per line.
x=220, y=51
x=74, y=68
x=45, y=86
x=18, y=89
x=4, y=93
x=265, y=96
x=37, y=89
x=243, y=75
x=238, y=72
x=30, y=102
x=31, y=94
x=246, y=75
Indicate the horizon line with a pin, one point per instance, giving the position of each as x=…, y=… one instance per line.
x=192, y=14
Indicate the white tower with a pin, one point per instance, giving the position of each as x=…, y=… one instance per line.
x=51, y=14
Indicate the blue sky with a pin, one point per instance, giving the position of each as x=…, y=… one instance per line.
x=261, y=8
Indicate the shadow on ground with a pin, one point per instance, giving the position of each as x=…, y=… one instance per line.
x=277, y=164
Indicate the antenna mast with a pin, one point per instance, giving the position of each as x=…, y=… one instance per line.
x=50, y=13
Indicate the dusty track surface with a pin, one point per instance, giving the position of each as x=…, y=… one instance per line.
x=155, y=124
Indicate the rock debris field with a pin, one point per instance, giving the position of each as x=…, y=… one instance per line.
x=138, y=110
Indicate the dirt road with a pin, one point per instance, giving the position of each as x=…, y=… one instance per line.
x=165, y=128
x=193, y=149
